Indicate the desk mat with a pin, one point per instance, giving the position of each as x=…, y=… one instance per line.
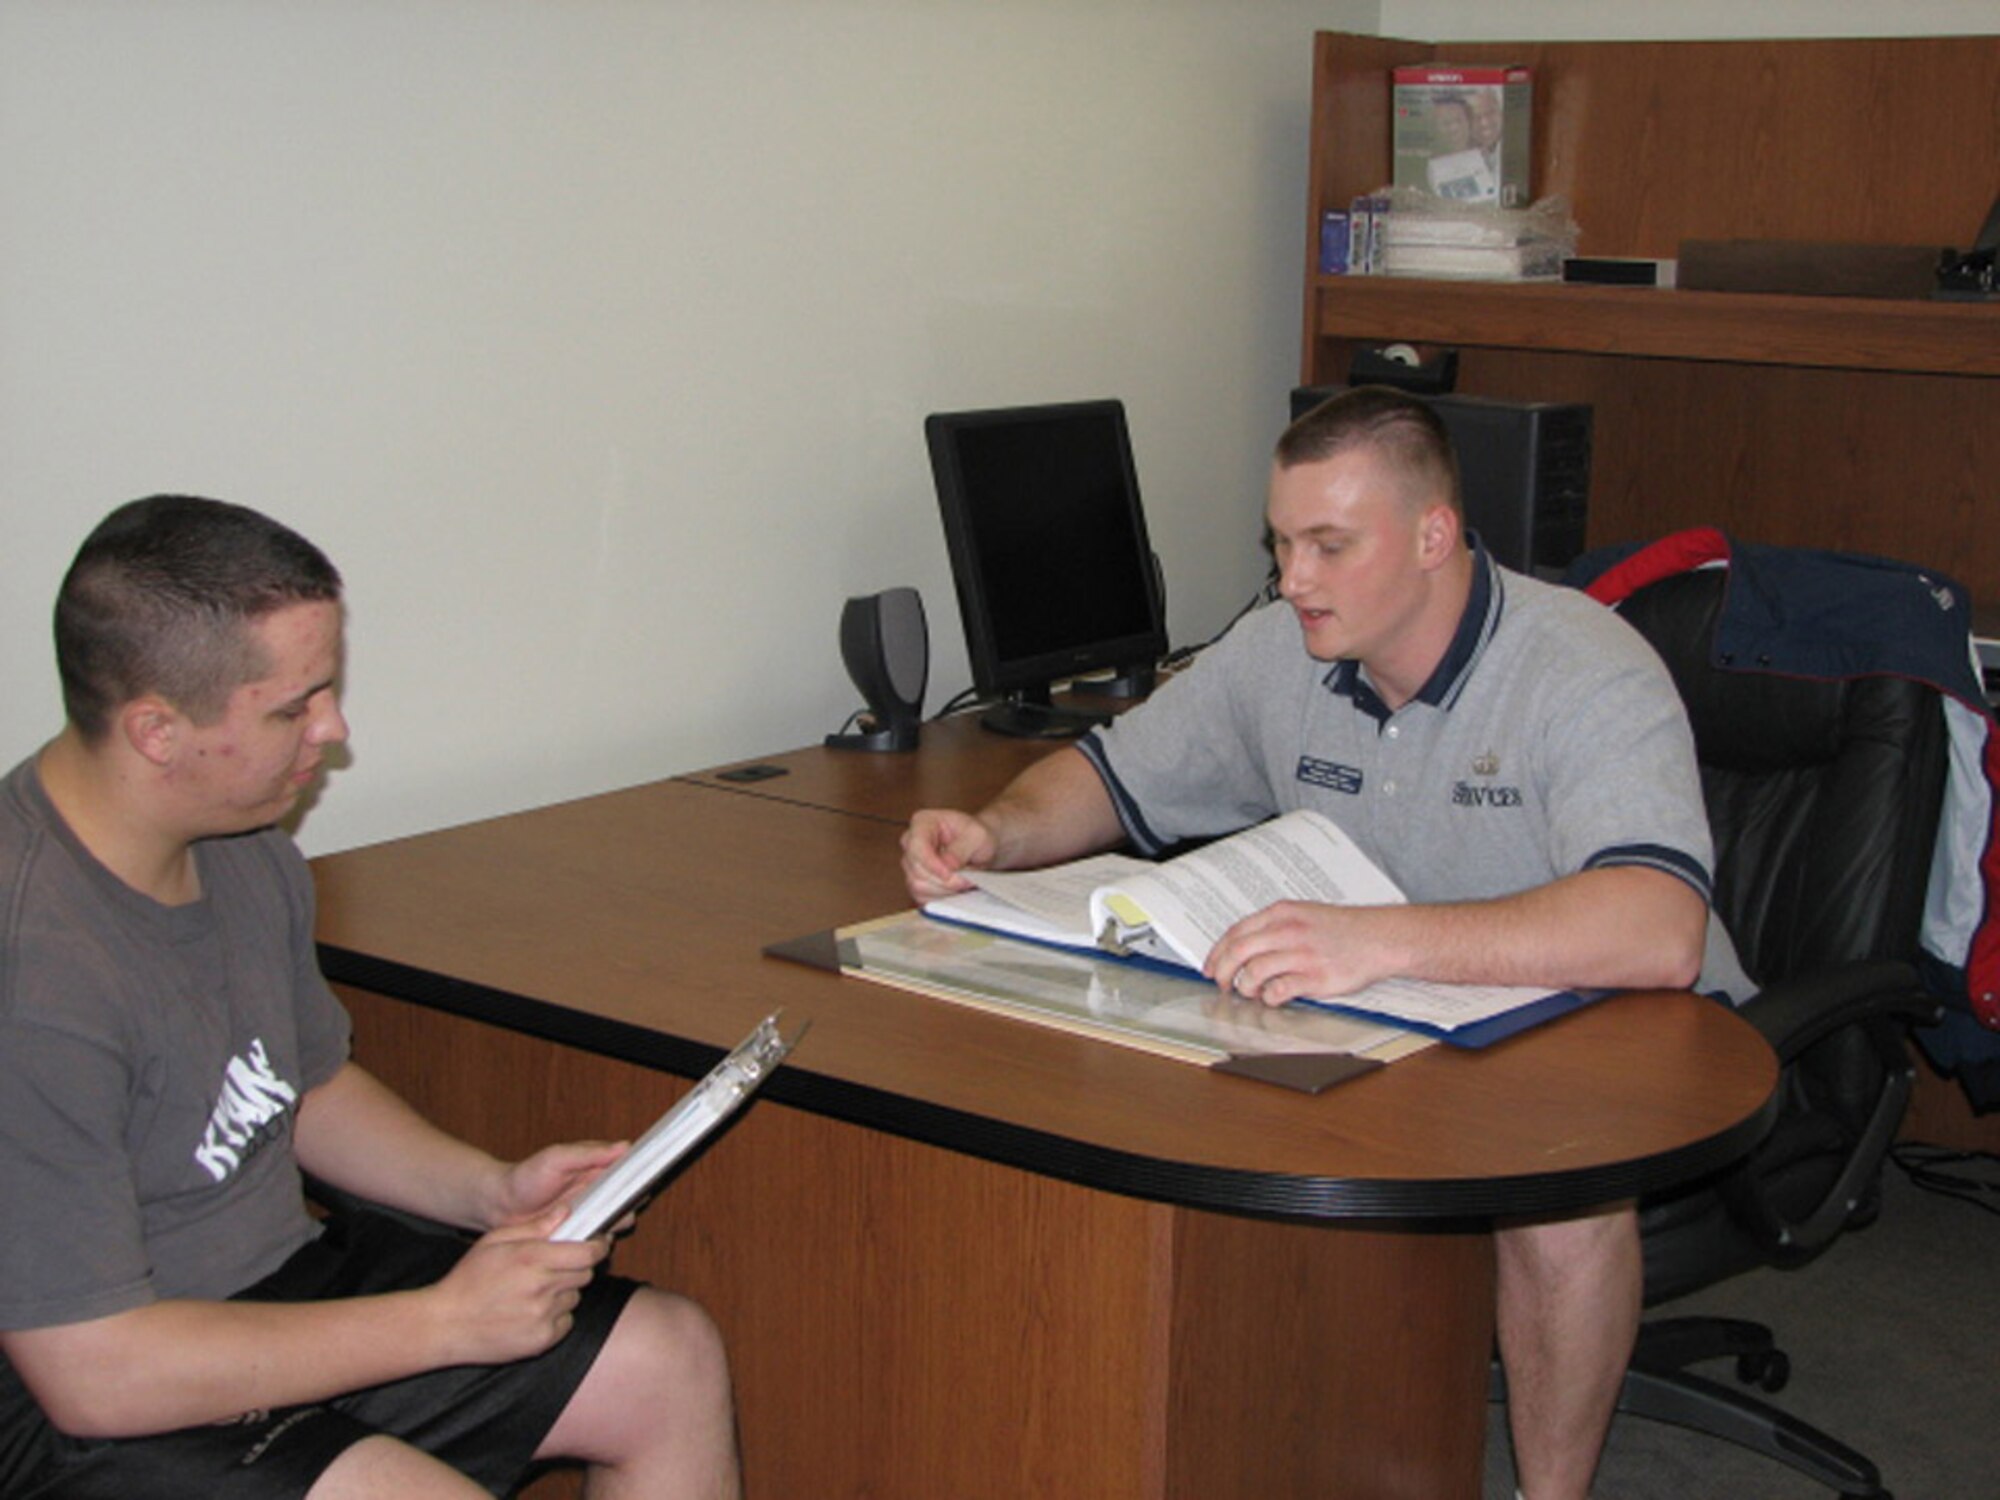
x=1147, y=1008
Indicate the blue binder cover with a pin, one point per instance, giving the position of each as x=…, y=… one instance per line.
x=1471, y=1037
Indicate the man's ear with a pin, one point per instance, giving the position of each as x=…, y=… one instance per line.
x=1438, y=534
x=152, y=727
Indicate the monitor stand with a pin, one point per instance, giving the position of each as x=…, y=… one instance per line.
x=1029, y=715
x=1129, y=682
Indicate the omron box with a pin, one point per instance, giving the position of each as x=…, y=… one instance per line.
x=1463, y=133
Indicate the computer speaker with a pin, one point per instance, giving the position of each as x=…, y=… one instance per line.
x=887, y=649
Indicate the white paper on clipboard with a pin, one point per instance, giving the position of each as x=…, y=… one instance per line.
x=699, y=1111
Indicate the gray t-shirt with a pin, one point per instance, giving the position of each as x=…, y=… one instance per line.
x=151, y=1063
x=1549, y=740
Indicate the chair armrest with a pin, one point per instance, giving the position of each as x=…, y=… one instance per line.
x=1879, y=998
x=1793, y=1014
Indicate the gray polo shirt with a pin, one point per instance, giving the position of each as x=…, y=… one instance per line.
x=1549, y=740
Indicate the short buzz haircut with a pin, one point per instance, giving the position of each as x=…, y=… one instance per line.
x=1403, y=429
x=158, y=599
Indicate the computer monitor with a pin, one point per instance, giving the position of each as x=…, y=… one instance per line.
x=1055, y=576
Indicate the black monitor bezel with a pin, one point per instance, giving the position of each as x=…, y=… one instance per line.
x=992, y=675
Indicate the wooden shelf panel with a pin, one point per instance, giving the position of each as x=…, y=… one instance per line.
x=1942, y=338
x=1876, y=140
x=1853, y=423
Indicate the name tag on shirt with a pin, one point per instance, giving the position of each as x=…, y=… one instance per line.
x=1330, y=775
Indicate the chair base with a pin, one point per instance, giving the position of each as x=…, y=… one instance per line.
x=1658, y=1388
x=1667, y=1346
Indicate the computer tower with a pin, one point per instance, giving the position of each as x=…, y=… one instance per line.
x=1524, y=469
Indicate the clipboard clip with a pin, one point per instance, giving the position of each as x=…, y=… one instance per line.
x=758, y=1054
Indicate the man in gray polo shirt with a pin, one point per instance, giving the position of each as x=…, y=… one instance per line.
x=1510, y=752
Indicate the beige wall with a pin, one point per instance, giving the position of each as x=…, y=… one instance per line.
x=594, y=339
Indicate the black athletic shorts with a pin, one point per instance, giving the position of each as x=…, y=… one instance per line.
x=484, y=1420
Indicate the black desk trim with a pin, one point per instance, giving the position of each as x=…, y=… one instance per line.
x=1429, y=1203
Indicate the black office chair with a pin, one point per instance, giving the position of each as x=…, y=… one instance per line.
x=1824, y=800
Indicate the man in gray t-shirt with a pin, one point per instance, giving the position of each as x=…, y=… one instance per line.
x=174, y=1322
x=1512, y=754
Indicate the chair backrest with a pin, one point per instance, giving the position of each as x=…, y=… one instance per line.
x=1823, y=796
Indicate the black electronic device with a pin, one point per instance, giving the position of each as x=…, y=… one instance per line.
x=1524, y=473
x=1406, y=368
x=1055, y=576
x=887, y=649
x=1975, y=275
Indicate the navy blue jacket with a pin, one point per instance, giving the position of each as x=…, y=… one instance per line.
x=1804, y=612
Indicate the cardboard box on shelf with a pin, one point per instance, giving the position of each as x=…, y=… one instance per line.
x=1464, y=132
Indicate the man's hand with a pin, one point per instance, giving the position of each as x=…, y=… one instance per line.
x=553, y=1175
x=938, y=846
x=1625, y=927
x=1303, y=948
x=1056, y=809
x=181, y=1362
x=514, y=1294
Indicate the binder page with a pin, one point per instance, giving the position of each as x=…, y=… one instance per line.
x=1189, y=902
x=1051, y=905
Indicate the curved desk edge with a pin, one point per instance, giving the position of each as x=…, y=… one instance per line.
x=1429, y=1201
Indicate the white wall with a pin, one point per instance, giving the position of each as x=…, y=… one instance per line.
x=593, y=339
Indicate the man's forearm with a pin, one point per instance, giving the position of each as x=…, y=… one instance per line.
x=1618, y=928
x=358, y=1134
x=1055, y=810
x=179, y=1364
x=1601, y=929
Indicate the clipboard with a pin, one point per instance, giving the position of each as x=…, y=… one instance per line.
x=699, y=1111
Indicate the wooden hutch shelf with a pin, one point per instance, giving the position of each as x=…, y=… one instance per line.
x=1924, y=338
x=1863, y=424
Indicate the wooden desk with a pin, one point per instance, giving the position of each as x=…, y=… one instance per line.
x=959, y=1255
x=957, y=763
